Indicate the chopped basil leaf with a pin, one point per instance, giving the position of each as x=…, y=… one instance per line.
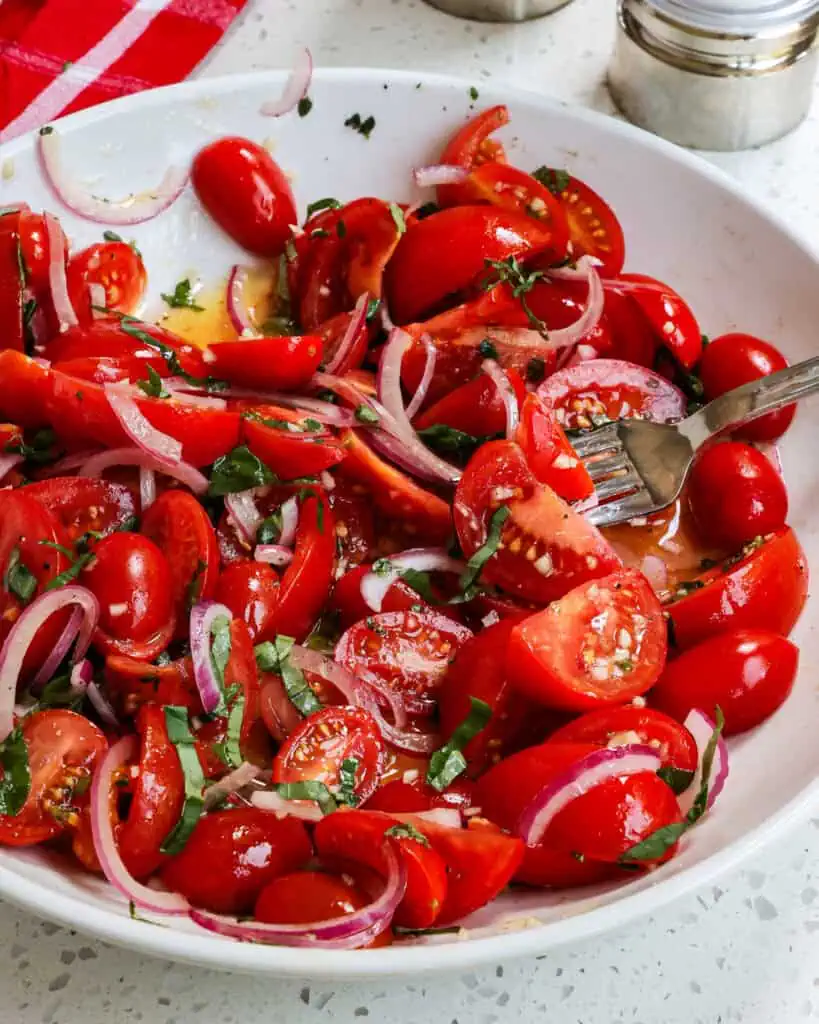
x=59, y=693
x=420, y=583
x=275, y=657
x=322, y=204
x=220, y=653
x=309, y=790
x=406, y=831
x=278, y=326
x=19, y=580
x=426, y=210
x=363, y=127
x=448, y=763
x=176, y=722
x=111, y=236
x=486, y=551
x=40, y=449
x=16, y=781
x=442, y=438
x=29, y=309
x=450, y=929
x=305, y=106
x=373, y=307
x=239, y=470
x=399, y=218
x=382, y=567
x=677, y=778
x=555, y=179
x=671, y=630
x=320, y=516
x=46, y=129
x=686, y=587
x=364, y=414
x=270, y=529
x=319, y=233
x=127, y=323
x=346, y=789
x=233, y=750
x=181, y=297
x=341, y=229
x=194, y=589
x=487, y=349
x=152, y=387
x=78, y=563
x=473, y=93
x=21, y=266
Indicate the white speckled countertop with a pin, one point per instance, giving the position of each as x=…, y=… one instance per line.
x=744, y=950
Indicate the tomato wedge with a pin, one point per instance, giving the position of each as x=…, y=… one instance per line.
x=131, y=682
x=471, y=146
x=550, y=455
x=593, y=227
x=83, y=505
x=474, y=408
x=266, y=364
x=668, y=314
x=289, y=445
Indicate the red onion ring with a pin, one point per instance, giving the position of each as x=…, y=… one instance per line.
x=348, y=931
x=507, y=394
x=374, y=586
x=102, y=705
x=357, y=321
x=655, y=571
x=273, y=554
x=295, y=88
x=702, y=729
x=59, y=651
x=384, y=316
x=95, y=465
x=426, y=378
x=57, y=283
x=231, y=783
x=24, y=630
x=446, y=817
x=202, y=617
x=324, y=412
x=135, y=209
x=137, y=426
x=439, y=174
x=147, y=488
x=97, y=298
x=584, y=775
x=304, y=810
x=7, y=464
x=179, y=389
x=289, y=512
x=242, y=509
x=236, y=305
x=105, y=845
x=81, y=675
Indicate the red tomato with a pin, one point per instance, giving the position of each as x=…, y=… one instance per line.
x=355, y=527
x=158, y=795
x=470, y=147
x=447, y=252
x=103, y=369
x=550, y=455
x=409, y=652
x=358, y=837
x=266, y=364
x=11, y=283
x=130, y=683
x=332, y=332
x=83, y=505
x=279, y=713
x=348, y=600
x=735, y=359
x=475, y=407
x=763, y=587
x=305, y=451
x=603, y=643
x=63, y=749
x=232, y=855
x=317, y=748
x=610, y=727
x=131, y=579
x=26, y=386
x=593, y=227
x=669, y=316
x=117, y=267
x=35, y=249
x=251, y=591
x=545, y=548
x=246, y=193
x=180, y=528
x=631, y=336
x=748, y=673
x=418, y=795
x=735, y=494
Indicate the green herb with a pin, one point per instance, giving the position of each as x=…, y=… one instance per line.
x=341, y=229
x=399, y=218
x=625, y=665
x=535, y=370
x=364, y=414
x=38, y=451
x=450, y=929
x=487, y=349
x=278, y=326
x=509, y=271
x=194, y=589
x=182, y=296
x=59, y=693
x=233, y=749
x=473, y=93
x=220, y=654
x=346, y=790
x=270, y=529
x=78, y=562
x=16, y=781
x=305, y=106
x=153, y=387
x=407, y=831
x=46, y=129
x=176, y=722
x=67, y=64
x=687, y=587
x=677, y=778
x=322, y=204
x=448, y=763
x=239, y=470
x=363, y=127
x=442, y=438
x=553, y=178
x=275, y=657
x=21, y=266
x=111, y=236
x=420, y=583
x=705, y=340
x=426, y=210
x=309, y=790
x=671, y=630
x=578, y=856
x=30, y=307
x=320, y=516
x=19, y=579
x=373, y=307
x=485, y=551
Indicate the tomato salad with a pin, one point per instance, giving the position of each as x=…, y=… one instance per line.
x=306, y=636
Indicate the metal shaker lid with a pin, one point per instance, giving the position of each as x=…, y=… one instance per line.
x=738, y=17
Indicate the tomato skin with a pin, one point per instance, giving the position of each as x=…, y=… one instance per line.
x=593, y=227
x=355, y=525
x=766, y=589
x=662, y=306
x=735, y=359
x=63, y=748
x=348, y=600
x=130, y=683
x=26, y=386
x=632, y=339
x=549, y=454
x=35, y=248
x=399, y=796
x=547, y=658
x=117, y=266
x=469, y=147
x=251, y=591
x=475, y=407
x=748, y=673
x=275, y=364
x=245, y=191
x=358, y=837
x=232, y=855
x=735, y=494
x=11, y=284
x=289, y=454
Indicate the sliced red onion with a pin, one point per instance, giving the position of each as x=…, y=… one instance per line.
x=242, y=509
x=7, y=464
x=147, y=488
x=102, y=706
x=447, y=817
x=655, y=571
x=702, y=729
x=426, y=378
x=57, y=283
x=137, y=426
x=349, y=931
x=584, y=775
x=305, y=810
x=81, y=675
x=579, y=272
x=357, y=320
x=327, y=480
x=105, y=845
x=439, y=174
x=231, y=783
x=135, y=209
x=273, y=554
x=97, y=298
x=384, y=315
x=70, y=462
x=507, y=393
x=374, y=586
x=202, y=618
x=289, y=513
x=582, y=354
x=295, y=89
x=179, y=389
x=236, y=304
x=95, y=465
x=49, y=667
x=315, y=408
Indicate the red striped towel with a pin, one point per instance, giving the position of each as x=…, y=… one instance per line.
x=57, y=56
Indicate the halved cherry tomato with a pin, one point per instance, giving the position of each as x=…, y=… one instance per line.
x=104, y=369
x=11, y=283
x=447, y=252
x=475, y=407
x=355, y=528
x=289, y=445
x=631, y=336
x=246, y=193
x=26, y=386
x=232, y=855
x=748, y=673
x=130, y=577
x=63, y=748
x=84, y=505
x=548, y=451
x=763, y=587
x=349, y=602
x=266, y=364
x=158, y=795
x=400, y=796
x=735, y=494
x=409, y=652
x=593, y=227
x=610, y=727
x=34, y=248
x=669, y=315
x=359, y=838
x=470, y=147
x=251, y=591
x=332, y=332
x=130, y=683
x=117, y=267
x=603, y=643
x=317, y=748
x=180, y=528
x=545, y=548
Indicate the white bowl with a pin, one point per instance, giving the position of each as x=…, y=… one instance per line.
x=684, y=221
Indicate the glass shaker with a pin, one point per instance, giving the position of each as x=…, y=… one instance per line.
x=498, y=10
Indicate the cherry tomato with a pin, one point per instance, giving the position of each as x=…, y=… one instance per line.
x=735, y=494
x=358, y=837
x=593, y=227
x=409, y=652
x=470, y=147
x=669, y=316
x=116, y=267
x=266, y=364
x=290, y=445
x=251, y=591
x=748, y=673
x=475, y=407
x=35, y=249
x=764, y=586
x=545, y=548
x=631, y=337
x=130, y=683
x=355, y=528
x=417, y=795
x=83, y=505
x=63, y=748
x=158, y=795
x=232, y=855
x=548, y=452
x=735, y=359
x=349, y=602
x=279, y=713
x=603, y=643
x=11, y=283
x=246, y=193
x=27, y=384
x=131, y=579
x=317, y=748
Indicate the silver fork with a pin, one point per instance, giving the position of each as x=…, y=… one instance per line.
x=640, y=467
